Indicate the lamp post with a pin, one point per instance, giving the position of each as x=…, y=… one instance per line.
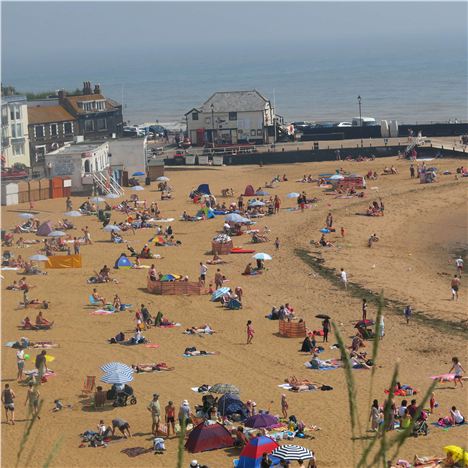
x=360, y=119
x=212, y=126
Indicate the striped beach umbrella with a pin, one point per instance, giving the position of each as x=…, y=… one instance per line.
x=224, y=388
x=116, y=367
x=219, y=293
x=117, y=377
x=292, y=452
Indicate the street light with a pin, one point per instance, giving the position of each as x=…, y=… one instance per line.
x=212, y=125
x=360, y=119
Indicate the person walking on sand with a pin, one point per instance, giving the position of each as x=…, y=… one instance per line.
x=169, y=411
x=250, y=332
x=68, y=204
x=284, y=406
x=203, y=271
x=411, y=170
x=329, y=221
x=32, y=397
x=381, y=327
x=41, y=365
x=8, y=397
x=76, y=246
x=20, y=364
x=344, y=278
x=277, y=243
x=87, y=235
x=364, y=309
x=459, y=264
x=374, y=416
x=408, y=313
x=458, y=370
x=154, y=408
x=218, y=279
x=326, y=329
x=343, y=232
x=455, y=285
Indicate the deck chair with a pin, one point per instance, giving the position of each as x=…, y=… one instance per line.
x=93, y=301
x=89, y=385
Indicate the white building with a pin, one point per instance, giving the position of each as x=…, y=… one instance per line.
x=15, y=140
x=84, y=163
x=230, y=118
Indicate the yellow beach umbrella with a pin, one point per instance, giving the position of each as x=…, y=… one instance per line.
x=458, y=453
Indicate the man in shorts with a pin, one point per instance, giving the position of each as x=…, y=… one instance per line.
x=20, y=364
x=344, y=278
x=8, y=397
x=455, y=285
x=122, y=426
x=155, y=409
x=459, y=264
x=203, y=271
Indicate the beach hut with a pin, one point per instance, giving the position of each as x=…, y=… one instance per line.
x=207, y=436
x=45, y=229
x=123, y=262
x=249, y=191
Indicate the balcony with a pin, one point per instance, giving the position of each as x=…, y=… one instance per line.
x=6, y=142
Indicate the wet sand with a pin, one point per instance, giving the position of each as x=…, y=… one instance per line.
x=411, y=264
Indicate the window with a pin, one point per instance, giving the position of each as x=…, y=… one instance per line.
x=100, y=105
x=67, y=128
x=259, y=132
x=253, y=132
x=101, y=124
x=89, y=125
x=232, y=115
x=87, y=166
x=194, y=115
x=18, y=149
x=53, y=130
x=39, y=131
x=207, y=120
x=16, y=131
x=15, y=112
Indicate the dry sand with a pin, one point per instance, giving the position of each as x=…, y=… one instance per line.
x=418, y=236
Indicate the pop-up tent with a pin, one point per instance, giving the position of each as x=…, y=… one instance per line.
x=231, y=404
x=123, y=262
x=45, y=229
x=251, y=455
x=206, y=212
x=208, y=437
x=204, y=189
x=249, y=191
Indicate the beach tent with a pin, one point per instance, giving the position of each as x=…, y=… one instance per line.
x=123, y=262
x=261, y=420
x=208, y=437
x=231, y=404
x=251, y=455
x=249, y=191
x=206, y=212
x=45, y=229
x=204, y=188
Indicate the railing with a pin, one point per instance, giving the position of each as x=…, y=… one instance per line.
x=107, y=184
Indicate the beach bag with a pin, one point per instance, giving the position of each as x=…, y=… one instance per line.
x=158, y=444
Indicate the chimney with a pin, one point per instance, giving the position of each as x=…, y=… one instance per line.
x=87, y=87
x=61, y=95
x=97, y=89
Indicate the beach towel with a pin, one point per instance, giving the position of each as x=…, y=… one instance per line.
x=9, y=269
x=444, y=377
x=447, y=427
x=196, y=390
x=101, y=312
x=151, y=345
x=322, y=368
x=135, y=451
x=199, y=355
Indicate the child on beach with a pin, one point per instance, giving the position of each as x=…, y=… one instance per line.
x=284, y=406
x=250, y=332
x=458, y=370
x=277, y=243
x=455, y=284
x=408, y=312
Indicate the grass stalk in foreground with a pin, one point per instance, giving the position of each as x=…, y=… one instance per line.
x=180, y=448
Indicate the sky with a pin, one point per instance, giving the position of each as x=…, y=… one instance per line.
x=39, y=36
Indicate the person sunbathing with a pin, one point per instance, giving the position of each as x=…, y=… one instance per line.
x=23, y=285
x=13, y=287
x=201, y=329
x=40, y=320
x=216, y=260
x=324, y=243
x=165, y=322
x=98, y=298
x=162, y=366
x=357, y=343
x=194, y=352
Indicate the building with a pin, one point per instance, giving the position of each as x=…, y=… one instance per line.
x=95, y=115
x=15, y=140
x=50, y=127
x=230, y=118
x=85, y=163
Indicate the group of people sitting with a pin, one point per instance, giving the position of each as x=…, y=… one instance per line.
x=283, y=312
x=31, y=225
x=41, y=323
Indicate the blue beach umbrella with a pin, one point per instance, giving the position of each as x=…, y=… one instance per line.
x=39, y=258
x=262, y=256
x=137, y=188
x=262, y=193
x=112, y=227
x=292, y=195
x=73, y=214
x=26, y=215
x=138, y=174
x=116, y=367
x=117, y=377
x=56, y=234
x=218, y=294
x=257, y=203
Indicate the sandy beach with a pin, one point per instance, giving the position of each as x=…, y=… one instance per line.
x=423, y=229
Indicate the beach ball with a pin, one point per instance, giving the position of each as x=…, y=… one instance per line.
x=26, y=357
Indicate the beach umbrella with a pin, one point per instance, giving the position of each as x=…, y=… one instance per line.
x=364, y=323
x=336, y=177
x=111, y=227
x=293, y=195
x=112, y=195
x=39, y=258
x=222, y=389
x=325, y=230
x=163, y=179
x=458, y=453
x=73, y=214
x=117, y=377
x=252, y=453
x=262, y=193
x=138, y=174
x=234, y=218
x=262, y=256
x=26, y=215
x=219, y=293
x=137, y=188
x=261, y=420
x=323, y=316
x=292, y=452
x=116, y=367
x=56, y=234
x=97, y=200
x=257, y=203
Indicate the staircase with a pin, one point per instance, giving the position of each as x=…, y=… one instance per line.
x=107, y=184
x=416, y=142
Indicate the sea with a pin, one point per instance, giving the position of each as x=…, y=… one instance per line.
x=410, y=86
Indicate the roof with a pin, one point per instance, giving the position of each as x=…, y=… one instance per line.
x=235, y=101
x=46, y=114
x=74, y=100
x=14, y=98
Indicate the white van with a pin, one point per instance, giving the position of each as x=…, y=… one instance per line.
x=366, y=121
